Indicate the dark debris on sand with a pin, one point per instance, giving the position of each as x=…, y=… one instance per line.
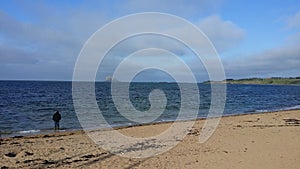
x=292, y=121
x=10, y=154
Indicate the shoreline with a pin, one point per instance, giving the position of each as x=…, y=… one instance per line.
x=17, y=134
x=48, y=131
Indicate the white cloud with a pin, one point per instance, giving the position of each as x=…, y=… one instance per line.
x=16, y=56
x=229, y=32
x=293, y=21
x=282, y=60
x=55, y=36
x=223, y=34
x=181, y=8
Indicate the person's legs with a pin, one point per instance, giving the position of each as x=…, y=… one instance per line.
x=56, y=125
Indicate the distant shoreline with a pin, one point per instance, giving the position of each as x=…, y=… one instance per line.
x=259, y=81
x=253, y=80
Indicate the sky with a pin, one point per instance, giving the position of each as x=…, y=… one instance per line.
x=41, y=40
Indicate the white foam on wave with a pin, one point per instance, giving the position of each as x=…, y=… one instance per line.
x=291, y=108
x=29, y=131
x=263, y=111
x=297, y=107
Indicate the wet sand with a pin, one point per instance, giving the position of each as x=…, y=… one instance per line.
x=268, y=140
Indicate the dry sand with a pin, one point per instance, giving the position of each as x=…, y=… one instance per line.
x=269, y=140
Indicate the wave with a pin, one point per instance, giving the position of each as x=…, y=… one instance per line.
x=161, y=120
x=297, y=107
x=29, y=131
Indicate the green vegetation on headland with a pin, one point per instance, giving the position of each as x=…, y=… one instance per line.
x=272, y=80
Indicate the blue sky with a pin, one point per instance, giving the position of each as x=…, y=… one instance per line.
x=41, y=40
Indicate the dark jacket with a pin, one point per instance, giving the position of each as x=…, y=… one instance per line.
x=56, y=117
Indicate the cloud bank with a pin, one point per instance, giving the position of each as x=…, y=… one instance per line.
x=44, y=41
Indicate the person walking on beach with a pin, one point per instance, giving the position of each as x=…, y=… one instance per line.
x=56, y=117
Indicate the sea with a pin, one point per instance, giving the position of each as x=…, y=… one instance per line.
x=26, y=107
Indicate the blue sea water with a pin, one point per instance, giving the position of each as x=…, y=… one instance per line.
x=28, y=106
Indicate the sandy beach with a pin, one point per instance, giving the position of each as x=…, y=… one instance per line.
x=267, y=140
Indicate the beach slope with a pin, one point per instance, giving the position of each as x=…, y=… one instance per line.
x=267, y=140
